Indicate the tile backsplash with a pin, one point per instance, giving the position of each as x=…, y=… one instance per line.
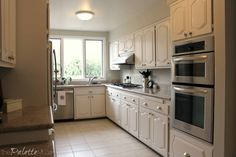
x=159, y=76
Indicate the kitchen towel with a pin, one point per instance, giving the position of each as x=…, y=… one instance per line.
x=61, y=96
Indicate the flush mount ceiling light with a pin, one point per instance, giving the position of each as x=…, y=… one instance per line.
x=84, y=15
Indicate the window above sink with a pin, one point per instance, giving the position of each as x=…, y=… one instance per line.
x=79, y=57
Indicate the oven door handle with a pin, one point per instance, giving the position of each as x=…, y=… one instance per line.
x=190, y=58
x=191, y=91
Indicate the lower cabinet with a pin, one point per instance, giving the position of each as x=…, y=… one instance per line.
x=129, y=117
x=153, y=130
x=113, y=109
x=183, y=145
x=142, y=116
x=89, y=102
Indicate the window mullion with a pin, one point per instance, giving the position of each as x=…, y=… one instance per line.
x=84, y=58
x=62, y=57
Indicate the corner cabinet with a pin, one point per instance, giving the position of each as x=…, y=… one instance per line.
x=153, y=46
x=8, y=33
x=190, y=18
x=89, y=102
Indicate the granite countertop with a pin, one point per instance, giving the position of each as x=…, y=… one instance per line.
x=43, y=149
x=162, y=92
x=77, y=86
x=29, y=118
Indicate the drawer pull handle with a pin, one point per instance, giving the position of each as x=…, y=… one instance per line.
x=112, y=99
x=158, y=108
x=187, y=154
x=90, y=91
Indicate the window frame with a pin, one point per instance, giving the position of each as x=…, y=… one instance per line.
x=83, y=38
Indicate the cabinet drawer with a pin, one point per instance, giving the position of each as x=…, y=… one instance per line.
x=184, y=145
x=89, y=90
x=155, y=104
x=113, y=93
x=129, y=98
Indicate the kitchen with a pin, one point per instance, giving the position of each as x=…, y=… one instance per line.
x=29, y=81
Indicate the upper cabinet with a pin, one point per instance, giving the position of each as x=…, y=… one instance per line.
x=8, y=32
x=190, y=18
x=153, y=46
x=126, y=44
x=114, y=53
x=163, y=44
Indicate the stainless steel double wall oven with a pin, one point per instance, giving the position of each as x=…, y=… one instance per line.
x=193, y=87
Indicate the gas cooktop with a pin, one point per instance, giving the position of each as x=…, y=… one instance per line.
x=126, y=85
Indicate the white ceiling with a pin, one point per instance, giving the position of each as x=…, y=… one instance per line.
x=109, y=14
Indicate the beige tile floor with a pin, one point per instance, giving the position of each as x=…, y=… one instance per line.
x=97, y=138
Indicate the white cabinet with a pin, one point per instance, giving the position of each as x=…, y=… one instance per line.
x=114, y=53
x=183, y=145
x=153, y=130
x=145, y=126
x=126, y=44
x=163, y=44
x=129, y=117
x=82, y=106
x=98, y=105
x=113, y=105
x=145, y=48
x=89, y=102
x=153, y=46
x=190, y=18
x=8, y=31
x=153, y=123
x=138, y=49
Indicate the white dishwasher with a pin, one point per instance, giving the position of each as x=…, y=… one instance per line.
x=66, y=111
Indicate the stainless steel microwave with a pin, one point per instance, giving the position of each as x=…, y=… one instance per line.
x=192, y=110
x=193, y=69
x=192, y=46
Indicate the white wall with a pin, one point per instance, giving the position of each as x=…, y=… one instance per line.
x=145, y=18
x=29, y=79
x=111, y=76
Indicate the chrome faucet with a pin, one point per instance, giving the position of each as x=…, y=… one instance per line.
x=91, y=79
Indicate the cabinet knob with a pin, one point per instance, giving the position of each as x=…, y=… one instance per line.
x=185, y=34
x=124, y=97
x=158, y=107
x=187, y=154
x=190, y=33
x=133, y=100
x=145, y=104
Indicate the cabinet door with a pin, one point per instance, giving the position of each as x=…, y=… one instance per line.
x=145, y=126
x=163, y=44
x=129, y=43
x=82, y=107
x=148, y=56
x=200, y=17
x=114, y=53
x=8, y=22
x=133, y=120
x=124, y=112
x=98, y=105
x=160, y=133
x=138, y=49
x=115, y=103
x=179, y=23
x=121, y=46
x=109, y=107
